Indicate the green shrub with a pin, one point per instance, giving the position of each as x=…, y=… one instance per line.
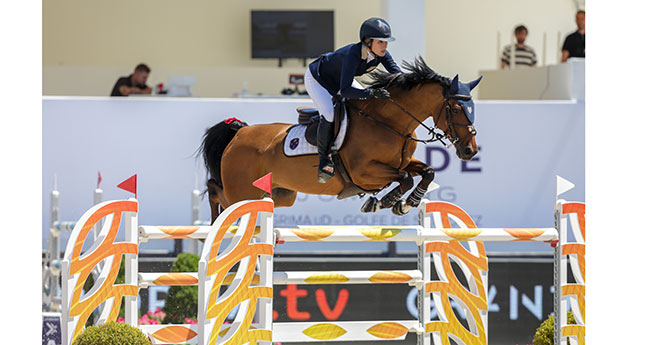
x=545, y=334
x=181, y=301
x=112, y=333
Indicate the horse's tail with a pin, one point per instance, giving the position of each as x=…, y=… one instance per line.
x=214, y=143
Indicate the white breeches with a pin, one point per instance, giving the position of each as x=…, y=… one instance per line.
x=321, y=97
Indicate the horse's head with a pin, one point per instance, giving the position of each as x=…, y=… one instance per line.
x=456, y=117
x=418, y=92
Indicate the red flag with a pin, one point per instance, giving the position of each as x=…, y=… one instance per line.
x=265, y=183
x=130, y=185
x=98, y=181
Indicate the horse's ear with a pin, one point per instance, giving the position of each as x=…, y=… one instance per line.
x=475, y=82
x=453, y=89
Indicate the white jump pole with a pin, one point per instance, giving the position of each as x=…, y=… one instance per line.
x=131, y=267
x=195, y=216
x=53, y=252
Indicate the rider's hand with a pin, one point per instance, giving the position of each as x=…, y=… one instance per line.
x=379, y=93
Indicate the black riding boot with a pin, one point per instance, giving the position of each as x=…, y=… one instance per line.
x=324, y=142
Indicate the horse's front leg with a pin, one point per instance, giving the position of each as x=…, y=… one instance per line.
x=415, y=168
x=405, y=181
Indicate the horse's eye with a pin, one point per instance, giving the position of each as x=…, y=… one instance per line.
x=454, y=111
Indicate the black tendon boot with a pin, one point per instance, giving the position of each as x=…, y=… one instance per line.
x=324, y=142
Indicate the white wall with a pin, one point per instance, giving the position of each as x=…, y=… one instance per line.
x=407, y=21
x=563, y=81
x=510, y=182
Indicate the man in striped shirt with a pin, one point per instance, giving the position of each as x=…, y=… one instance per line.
x=525, y=55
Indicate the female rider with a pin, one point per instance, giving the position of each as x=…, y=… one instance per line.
x=333, y=74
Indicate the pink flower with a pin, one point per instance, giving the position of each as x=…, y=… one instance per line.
x=121, y=319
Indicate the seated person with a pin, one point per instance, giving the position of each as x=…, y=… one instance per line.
x=134, y=83
x=525, y=55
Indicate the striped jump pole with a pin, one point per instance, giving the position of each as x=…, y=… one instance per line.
x=418, y=234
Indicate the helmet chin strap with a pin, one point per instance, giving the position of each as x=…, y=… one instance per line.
x=371, y=42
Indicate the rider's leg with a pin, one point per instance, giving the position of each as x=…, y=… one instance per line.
x=323, y=101
x=324, y=142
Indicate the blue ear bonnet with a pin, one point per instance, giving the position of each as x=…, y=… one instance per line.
x=461, y=93
x=468, y=108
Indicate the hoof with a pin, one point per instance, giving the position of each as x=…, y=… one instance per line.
x=412, y=203
x=401, y=207
x=371, y=205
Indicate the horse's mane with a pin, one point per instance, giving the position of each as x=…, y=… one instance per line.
x=419, y=72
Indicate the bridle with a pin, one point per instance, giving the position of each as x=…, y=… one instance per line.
x=450, y=134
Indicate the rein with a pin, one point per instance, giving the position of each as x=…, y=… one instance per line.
x=450, y=134
x=435, y=136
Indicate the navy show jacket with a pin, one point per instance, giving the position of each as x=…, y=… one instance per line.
x=335, y=71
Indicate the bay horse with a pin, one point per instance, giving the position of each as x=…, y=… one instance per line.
x=376, y=152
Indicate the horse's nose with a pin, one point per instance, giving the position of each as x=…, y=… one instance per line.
x=468, y=152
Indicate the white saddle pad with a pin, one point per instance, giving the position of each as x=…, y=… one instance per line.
x=295, y=143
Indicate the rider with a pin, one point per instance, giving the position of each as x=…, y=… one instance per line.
x=333, y=74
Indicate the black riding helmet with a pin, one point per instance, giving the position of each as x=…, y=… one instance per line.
x=376, y=28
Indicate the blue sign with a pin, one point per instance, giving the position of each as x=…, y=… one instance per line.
x=51, y=333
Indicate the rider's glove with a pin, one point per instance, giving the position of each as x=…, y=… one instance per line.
x=379, y=93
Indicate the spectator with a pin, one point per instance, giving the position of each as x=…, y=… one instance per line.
x=574, y=43
x=525, y=55
x=135, y=83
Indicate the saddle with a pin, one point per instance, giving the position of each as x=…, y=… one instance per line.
x=310, y=116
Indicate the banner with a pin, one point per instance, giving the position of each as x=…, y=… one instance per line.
x=509, y=183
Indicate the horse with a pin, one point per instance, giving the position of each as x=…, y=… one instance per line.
x=377, y=149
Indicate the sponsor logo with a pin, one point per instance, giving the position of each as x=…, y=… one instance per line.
x=383, y=25
x=294, y=143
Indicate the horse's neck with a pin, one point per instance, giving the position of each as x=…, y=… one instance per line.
x=405, y=119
